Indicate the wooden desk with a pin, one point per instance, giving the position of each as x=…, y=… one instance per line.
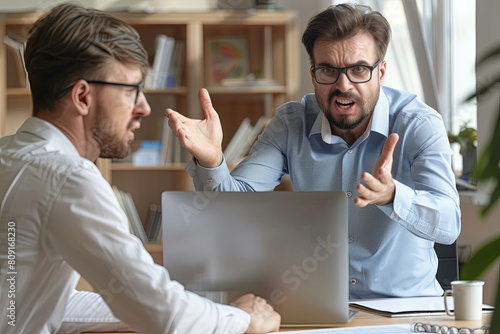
x=368, y=319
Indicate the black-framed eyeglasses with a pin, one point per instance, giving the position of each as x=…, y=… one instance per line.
x=326, y=75
x=138, y=88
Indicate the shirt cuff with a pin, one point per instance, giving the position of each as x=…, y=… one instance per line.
x=240, y=320
x=207, y=178
x=394, y=210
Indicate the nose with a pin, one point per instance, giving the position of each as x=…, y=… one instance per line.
x=343, y=83
x=142, y=108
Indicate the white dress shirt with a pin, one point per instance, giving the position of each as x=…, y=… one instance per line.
x=60, y=219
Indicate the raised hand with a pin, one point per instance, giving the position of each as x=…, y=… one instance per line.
x=380, y=188
x=263, y=317
x=202, y=138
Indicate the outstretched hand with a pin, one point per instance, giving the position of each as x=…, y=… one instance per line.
x=201, y=138
x=380, y=187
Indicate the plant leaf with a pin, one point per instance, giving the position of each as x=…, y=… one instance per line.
x=481, y=260
x=495, y=196
x=488, y=55
x=484, y=89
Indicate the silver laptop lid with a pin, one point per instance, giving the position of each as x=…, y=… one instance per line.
x=288, y=247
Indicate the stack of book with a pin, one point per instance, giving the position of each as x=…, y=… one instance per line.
x=153, y=227
x=243, y=139
x=127, y=204
x=167, y=64
x=171, y=151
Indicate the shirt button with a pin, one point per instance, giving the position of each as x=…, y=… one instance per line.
x=210, y=181
x=349, y=194
x=353, y=281
x=395, y=216
x=350, y=151
x=350, y=239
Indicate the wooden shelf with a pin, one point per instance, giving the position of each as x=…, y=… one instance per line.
x=279, y=89
x=18, y=92
x=170, y=90
x=273, y=53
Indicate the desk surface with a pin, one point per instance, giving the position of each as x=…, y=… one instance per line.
x=368, y=319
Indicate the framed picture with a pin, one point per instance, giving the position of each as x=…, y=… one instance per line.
x=227, y=59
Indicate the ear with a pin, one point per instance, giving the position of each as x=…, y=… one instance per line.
x=81, y=98
x=382, y=68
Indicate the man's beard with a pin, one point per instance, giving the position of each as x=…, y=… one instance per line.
x=105, y=134
x=343, y=122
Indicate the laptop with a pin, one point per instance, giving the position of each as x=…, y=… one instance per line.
x=288, y=247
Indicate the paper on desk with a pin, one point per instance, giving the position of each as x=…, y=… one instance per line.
x=386, y=329
x=406, y=307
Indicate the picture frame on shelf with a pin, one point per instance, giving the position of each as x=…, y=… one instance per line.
x=227, y=58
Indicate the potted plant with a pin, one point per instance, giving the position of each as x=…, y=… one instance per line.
x=466, y=138
x=488, y=169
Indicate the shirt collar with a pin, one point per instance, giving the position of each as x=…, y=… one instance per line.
x=49, y=132
x=379, y=122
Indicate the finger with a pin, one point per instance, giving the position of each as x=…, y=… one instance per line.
x=360, y=202
x=169, y=112
x=388, y=149
x=366, y=194
x=206, y=103
x=174, y=117
x=384, y=176
x=371, y=182
x=278, y=319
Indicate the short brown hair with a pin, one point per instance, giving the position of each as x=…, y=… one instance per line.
x=344, y=21
x=71, y=43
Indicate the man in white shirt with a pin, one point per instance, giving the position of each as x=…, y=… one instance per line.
x=60, y=219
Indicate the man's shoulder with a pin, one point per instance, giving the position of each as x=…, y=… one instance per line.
x=306, y=106
x=407, y=105
x=45, y=159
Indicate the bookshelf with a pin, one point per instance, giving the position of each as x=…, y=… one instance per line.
x=273, y=55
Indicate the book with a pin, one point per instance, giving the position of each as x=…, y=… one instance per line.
x=241, y=133
x=227, y=59
x=166, y=139
x=249, y=140
x=153, y=228
x=17, y=49
x=406, y=307
x=135, y=224
x=119, y=198
x=158, y=74
x=176, y=65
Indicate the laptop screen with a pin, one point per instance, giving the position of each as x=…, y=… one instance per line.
x=287, y=247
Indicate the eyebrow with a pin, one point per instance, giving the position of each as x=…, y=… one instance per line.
x=360, y=62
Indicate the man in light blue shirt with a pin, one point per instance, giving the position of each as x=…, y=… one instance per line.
x=385, y=149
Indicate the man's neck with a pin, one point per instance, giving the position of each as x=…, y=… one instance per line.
x=75, y=132
x=350, y=136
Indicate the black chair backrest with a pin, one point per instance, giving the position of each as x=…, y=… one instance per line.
x=447, y=264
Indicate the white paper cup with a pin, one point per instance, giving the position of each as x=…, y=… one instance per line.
x=467, y=300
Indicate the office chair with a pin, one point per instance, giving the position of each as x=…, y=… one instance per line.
x=447, y=264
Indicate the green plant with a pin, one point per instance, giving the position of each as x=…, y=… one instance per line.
x=466, y=137
x=488, y=169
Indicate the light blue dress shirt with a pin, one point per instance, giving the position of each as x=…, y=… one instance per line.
x=391, y=250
